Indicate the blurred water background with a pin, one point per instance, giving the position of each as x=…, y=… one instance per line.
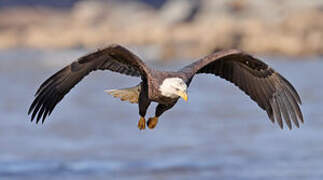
x=219, y=134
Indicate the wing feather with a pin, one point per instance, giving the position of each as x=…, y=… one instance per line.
x=270, y=90
x=277, y=113
x=114, y=58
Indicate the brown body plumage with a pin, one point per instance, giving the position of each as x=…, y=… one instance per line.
x=272, y=92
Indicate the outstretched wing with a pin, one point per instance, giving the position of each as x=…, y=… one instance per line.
x=270, y=90
x=114, y=58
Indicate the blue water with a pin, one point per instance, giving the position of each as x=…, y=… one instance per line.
x=219, y=134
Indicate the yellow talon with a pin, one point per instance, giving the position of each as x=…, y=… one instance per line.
x=142, y=123
x=152, y=122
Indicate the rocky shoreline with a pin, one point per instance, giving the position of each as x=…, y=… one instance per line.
x=179, y=29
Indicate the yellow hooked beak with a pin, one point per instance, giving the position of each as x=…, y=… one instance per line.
x=183, y=95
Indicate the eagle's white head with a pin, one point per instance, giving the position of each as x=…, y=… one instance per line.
x=173, y=88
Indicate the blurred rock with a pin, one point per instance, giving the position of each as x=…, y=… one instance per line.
x=181, y=28
x=177, y=11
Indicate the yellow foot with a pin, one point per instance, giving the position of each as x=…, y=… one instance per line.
x=152, y=122
x=142, y=123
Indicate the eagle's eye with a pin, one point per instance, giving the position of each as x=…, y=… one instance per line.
x=176, y=89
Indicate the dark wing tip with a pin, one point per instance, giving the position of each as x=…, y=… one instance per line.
x=43, y=105
x=291, y=88
x=285, y=103
x=47, y=96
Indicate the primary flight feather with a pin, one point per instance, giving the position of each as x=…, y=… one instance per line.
x=271, y=91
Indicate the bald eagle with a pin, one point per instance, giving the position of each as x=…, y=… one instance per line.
x=271, y=91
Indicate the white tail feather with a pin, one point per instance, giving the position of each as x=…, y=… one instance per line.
x=126, y=94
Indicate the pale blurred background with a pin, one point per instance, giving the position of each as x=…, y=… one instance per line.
x=174, y=28
x=219, y=134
